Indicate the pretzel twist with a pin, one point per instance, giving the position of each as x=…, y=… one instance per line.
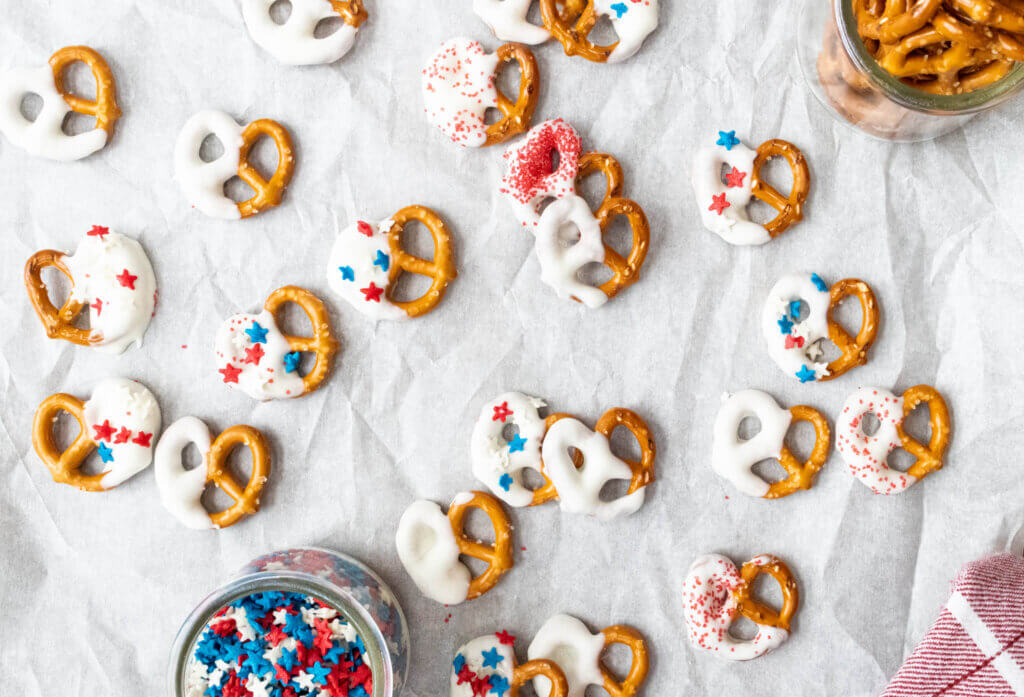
x=352, y=12
x=247, y=498
x=790, y=208
x=539, y=667
x=104, y=108
x=516, y=115
x=758, y=612
x=854, y=349
x=625, y=270
x=441, y=271
x=65, y=466
x=929, y=457
x=571, y=25
x=59, y=324
x=497, y=556
x=267, y=193
x=801, y=474
x=637, y=645
x=322, y=343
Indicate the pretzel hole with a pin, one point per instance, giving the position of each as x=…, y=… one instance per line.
x=743, y=629
x=799, y=310
x=869, y=424
x=531, y=479
x=238, y=465
x=416, y=240
x=263, y=156
x=192, y=458
x=848, y=313
x=280, y=11
x=900, y=460
x=214, y=499
x=800, y=439
x=624, y=444
x=509, y=431
x=75, y=123
x=64, y=431
x=613, y=490
x=476, y=525
x=30, y=106
x=211, y=148
x=94, y=464
x=592, y=188
x=237, y=190
x=78, y=80
x=770, y=470
x=507, y=80
x=594, y=274
x=409, y=287
x=749, y=427
x=777, y=174
x=618, y=658
x=292, y=320
x=603, y=33
x=327, y=26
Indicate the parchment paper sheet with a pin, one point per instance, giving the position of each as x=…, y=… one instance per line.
x=93, y=587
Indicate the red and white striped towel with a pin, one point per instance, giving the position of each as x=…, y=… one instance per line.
x=976, y=646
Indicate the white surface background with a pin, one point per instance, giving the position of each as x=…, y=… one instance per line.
x=93, y=587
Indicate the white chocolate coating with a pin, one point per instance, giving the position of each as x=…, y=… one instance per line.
x=793, y=345
x=633, y=21
x=499, y=463
x=43, y=137
x=203, y=182
x=579, y=490
x=732, y=457
x=458, y=88
x=114, y=278
x=569, y=220
x=123, y=418
x=529, y=180
x=294, y=42
x=264, y=370
x=429, y=552
x=507, y=19
x=181, y=490
x=500, y=659
x=709, y=609
x=866, y=455
x=569, y=644
x=358, y=268
x=733, y=224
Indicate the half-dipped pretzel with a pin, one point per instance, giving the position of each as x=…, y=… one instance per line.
x=568, y=642
x=181, y=490
x=488, y=665
x=733, y=457
x=715, y=593
x=120, y=421
x=257, y=358
x=204, y=182
x=295, y=42
x=571, y=26
x=794, y=341
x=499, y=461
x=866, y=455
x=530, y=177
x=430, y=544
x=44, y=136
x=723, y=203
x=111, y=275
x=460, y=85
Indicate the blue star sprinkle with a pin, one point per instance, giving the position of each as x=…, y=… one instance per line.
x=491, y=658
x=459, y=663
x=382, y=260
x=505, y=482
x=727, y=139
x=334, y=654
x=818, y=283
x=257, y=334
x=294, y=623
x=106, y=454
x=516, y=444
x=620, y=9
x=291, y=361
x=347, y=273
x=794, y=309
x=499, y=685
x=805, y=374
x=319, y=673
x=785, y=325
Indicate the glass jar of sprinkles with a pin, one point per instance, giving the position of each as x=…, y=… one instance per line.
x=857, y=91
x=293, y=623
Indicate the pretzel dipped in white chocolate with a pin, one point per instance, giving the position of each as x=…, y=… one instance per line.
x=498, y=461
x=295, y=42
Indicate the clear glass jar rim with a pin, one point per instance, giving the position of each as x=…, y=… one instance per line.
x=909, y=97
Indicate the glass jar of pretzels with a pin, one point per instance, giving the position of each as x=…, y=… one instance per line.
x=911, y=70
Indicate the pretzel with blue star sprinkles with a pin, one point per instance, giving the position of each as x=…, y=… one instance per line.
x=256, y=357
x=723, y=199
x=794, y=340
x=487, y=666
x=368, y=258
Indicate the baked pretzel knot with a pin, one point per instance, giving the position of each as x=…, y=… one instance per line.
x=59, y=324
x=854, y=349
x=497, y=556
x=268, y=193
x=441, y=270
x=322, y=343
x=790, y=208
x=516, y=115
x=637, y=645
x=758, y=612
x=246, y=498
x=801, y=474
x=65, y=466
x=104, y=108
x=625, y=270
x=571, y=23
x=539, y=667
x=929, y=457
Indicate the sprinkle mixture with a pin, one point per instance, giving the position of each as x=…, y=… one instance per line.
x=277, y=644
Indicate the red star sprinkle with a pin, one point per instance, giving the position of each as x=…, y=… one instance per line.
x=98, y=231
x=103, y=431
x=223, y=628
x=143, y=439
x=230, y=373
x=123, y=435
x=126, y=279
x=276, y=635
x=464, y=675
x=792, y=341
x=719, y=204
x=336, y=687
x=253, y=354
x=98, y=306
x=372, y=292
x=501, y=412
x=361, y=674
x=734, y=178
x=505, y=638
x=282, y=674
x=365, y=228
